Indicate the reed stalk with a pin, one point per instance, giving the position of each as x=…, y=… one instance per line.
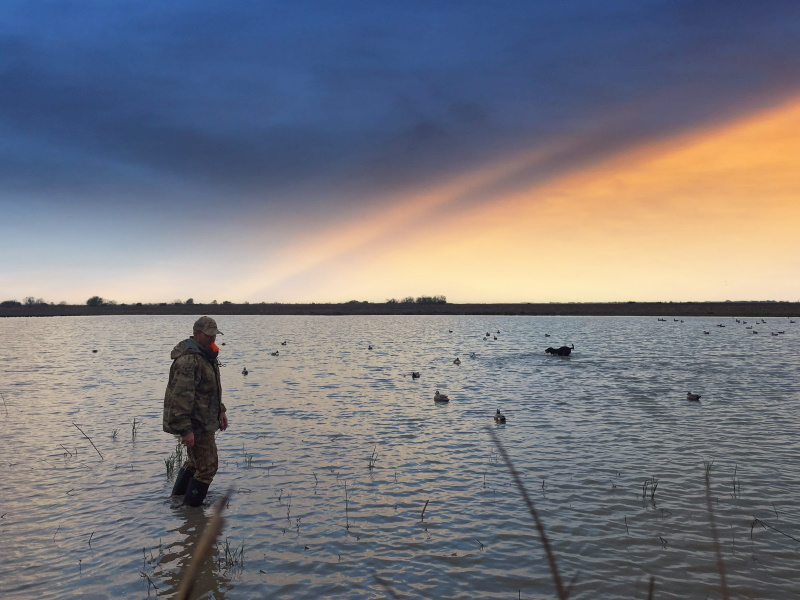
x=90, y=440
x=715, y=537
x=563, y=593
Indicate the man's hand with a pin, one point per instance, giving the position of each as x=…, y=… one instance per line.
x=188, y=439
x=223, y=421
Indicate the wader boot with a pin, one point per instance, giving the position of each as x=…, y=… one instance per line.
x=195, y=492
x=181, y=481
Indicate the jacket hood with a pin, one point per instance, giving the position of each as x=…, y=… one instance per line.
x=187, y=346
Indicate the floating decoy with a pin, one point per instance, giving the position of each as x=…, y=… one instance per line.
x=414, y=374
x=546, y=335
x=94, y=351
x=369, y=347
x=706, y=333
x=437, y=397
x=457, y=361
x=244, y=371
x=283, y=343
x=499, y=418
x=275, y=353
x=693, y=397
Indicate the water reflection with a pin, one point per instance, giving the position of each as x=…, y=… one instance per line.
x=211, y=580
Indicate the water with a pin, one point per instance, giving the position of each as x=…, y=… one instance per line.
x=313, y=520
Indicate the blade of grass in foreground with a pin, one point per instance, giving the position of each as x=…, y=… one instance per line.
x=715, y=538
x=563, y=593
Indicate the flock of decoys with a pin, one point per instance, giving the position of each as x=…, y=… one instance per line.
x=758, y=321
x=440, y=398
x=499, y=417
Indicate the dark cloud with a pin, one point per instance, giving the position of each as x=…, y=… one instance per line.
x=251, y=96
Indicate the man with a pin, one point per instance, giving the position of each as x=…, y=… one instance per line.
x=193, y=409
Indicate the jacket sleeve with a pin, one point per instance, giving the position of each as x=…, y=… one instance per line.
x=179, y=400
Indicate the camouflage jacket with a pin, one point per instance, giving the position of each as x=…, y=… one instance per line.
x=193, y=400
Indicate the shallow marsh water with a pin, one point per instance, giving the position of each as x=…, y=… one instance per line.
x=313, y=520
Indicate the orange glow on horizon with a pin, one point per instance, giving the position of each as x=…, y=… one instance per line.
x=709, y=215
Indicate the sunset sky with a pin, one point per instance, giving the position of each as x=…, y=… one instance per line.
x=327, y=151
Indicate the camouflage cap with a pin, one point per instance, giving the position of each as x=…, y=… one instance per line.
x=207, y=325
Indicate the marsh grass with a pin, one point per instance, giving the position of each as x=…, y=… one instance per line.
x=174, y=460
x=652, y=484
x=373, y=458
x=229, y=557
x=169, y=463
x=134, y=428
x=248, y=458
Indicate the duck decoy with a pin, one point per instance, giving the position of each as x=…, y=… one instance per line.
x=437, y=397
x=276, y=353
x=693, y=397
x=499, y=418
x=283, y=343
x=369, y=347
x=457, y=361
x=414, y=374
x=244, y=371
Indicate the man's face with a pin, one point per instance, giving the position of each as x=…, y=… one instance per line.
x=203, y=339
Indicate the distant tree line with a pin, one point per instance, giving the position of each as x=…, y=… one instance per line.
x=100, y=301
x=29, y=301
x=419, y=300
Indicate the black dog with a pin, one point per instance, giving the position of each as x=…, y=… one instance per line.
x=563, y=351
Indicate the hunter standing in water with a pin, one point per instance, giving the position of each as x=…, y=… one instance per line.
x=193, y=409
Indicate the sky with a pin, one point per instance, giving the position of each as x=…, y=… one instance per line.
x=320, y=151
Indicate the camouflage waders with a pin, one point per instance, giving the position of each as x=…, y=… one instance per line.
x=201, y=459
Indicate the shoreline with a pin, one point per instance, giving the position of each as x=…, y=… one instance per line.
x=589, y=309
